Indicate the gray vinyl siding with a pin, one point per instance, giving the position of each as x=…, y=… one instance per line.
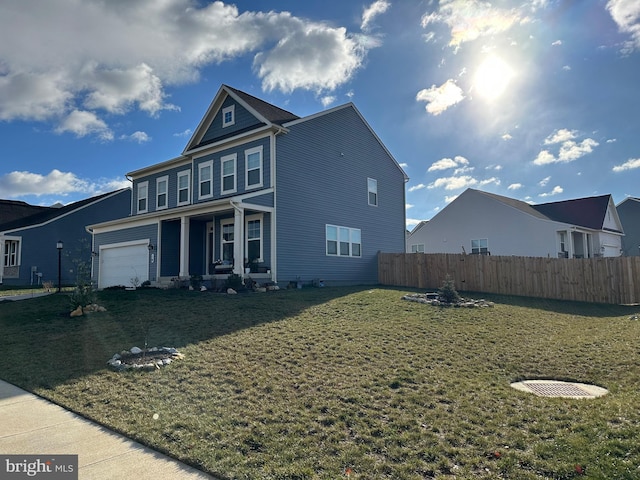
x=321, y=178
x=244, y=121
x=38, y=243
x=145, y=232
x=629, y=213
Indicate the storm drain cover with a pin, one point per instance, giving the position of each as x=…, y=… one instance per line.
x=555, y=388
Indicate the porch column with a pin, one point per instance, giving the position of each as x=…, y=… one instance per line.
x=1, y=257
x=184, y=247
x=238, y=240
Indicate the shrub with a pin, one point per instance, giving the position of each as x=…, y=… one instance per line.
x=234, y=281
x=447, y=292
x=196, y=281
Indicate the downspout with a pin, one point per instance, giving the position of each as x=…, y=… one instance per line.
x=274, y=223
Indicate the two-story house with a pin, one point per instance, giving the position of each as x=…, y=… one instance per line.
x=261, y=188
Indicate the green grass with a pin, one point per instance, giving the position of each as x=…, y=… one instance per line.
x=307, y=384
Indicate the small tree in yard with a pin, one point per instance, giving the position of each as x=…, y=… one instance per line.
x=447, y=292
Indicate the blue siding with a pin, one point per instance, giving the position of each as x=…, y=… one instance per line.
x=322, y=170
x=265, y=200
x=149, y=232
x=172, y=193
x=38, y=244
x=244, y=121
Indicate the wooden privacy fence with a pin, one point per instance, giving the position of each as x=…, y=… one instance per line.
x=614, y=280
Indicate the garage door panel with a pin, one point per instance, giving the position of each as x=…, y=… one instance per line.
x=119, y=265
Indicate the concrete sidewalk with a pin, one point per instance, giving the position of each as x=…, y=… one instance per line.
x=30, y=425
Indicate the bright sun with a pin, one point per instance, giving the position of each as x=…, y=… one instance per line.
x=492, y=78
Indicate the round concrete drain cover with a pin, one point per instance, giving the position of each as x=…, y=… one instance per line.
x=556, y=388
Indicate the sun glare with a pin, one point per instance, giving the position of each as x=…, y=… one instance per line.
x=492, y=78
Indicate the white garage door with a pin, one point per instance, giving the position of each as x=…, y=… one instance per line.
x=123, y=265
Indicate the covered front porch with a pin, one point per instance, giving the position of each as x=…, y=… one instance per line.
x=232, y=238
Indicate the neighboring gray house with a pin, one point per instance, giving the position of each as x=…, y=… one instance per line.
x=256, y=186
x=629, y=211
x=28, y=242
x=483, y=223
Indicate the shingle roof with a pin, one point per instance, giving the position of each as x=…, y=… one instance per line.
x=585, y=212
x=11, y=210
x=272, y=113
x=51, y=213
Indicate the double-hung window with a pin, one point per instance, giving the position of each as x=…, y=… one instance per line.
x=228, y=172
x=205, y=179
x=184, y=182
x=254, y=238
x=162, y=185
x=480, y=246
x=417, y=248
x=343, y=241
x=226, y=241
x=228, y=116
x=253, y=162
x=372, y=187
x=11, y=253
x=143, y=197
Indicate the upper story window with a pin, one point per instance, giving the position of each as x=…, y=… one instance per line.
x=228, y=116
x=162, y=185
x=253, y=162
x=228, y=172
x=205, y=176
x=480, y=246
x=343, y=241
x=143, y=197
x=184, y=187
x=372, y=187
x=11, y=253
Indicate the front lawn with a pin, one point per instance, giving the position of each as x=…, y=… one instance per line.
x=332, y=383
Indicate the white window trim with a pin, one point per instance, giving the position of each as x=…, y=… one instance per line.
x=146, y=197
x=480, y=248
x=369, y=191
x=415, y=248
x=166, y=192
x=200, y=182
x=232, y=109
x=226, y=221
x=248, y=218
x=18, y=241
x=246, y=167
x=224, y=159
x=351, y=230
x=184, y=173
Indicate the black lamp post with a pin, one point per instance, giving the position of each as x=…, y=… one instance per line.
x=59, y=246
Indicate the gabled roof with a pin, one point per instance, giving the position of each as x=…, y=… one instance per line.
x=52, y=213
x=518, y=204
x=632, y=200
x=269, y=115
x=587, y=212
x=11, y=210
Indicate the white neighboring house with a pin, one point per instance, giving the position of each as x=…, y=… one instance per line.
x=483, y=223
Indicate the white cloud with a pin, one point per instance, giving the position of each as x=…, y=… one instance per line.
x=187, y=133
x=404, y=165
x=570, y=151
x=411, y=222
x=566, y=68
x=494, y=180
x=556, y=191
x=376, y=8
x=560, y=136
x=612, y=140
x=557, y=43
x=544, y=157
x=544, y=181
x=407, y=206
x=417, y=187
x=630, y=164
x=515, y=186
x=506, y=136
x=140, y=137
x=454, y=183
x=440, y=98
x=120, y=56
x=327, y=100
x=469, y=20
x=626, y=13
x=446, y=163
x=83, y=123
x=450, y=198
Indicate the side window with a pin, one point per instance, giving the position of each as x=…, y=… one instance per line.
x=228, y=172
x=161, y=192
x=184, y=187
x=343, y=241
x=228, y=116
x=417, y=248
x=480, y=246
x=143, y=197
x=372, y=187
x=11, y=253
x=253, y=162
x=205, y=177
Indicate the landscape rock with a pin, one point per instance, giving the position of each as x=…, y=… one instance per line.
x=77, y=312
x=135, y=350
x=231, y=291
x=433, y=299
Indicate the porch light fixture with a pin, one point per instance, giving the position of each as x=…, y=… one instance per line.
x=59, y=246
x=150, y=247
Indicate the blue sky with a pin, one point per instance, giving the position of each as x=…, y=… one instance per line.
x=533, y=100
